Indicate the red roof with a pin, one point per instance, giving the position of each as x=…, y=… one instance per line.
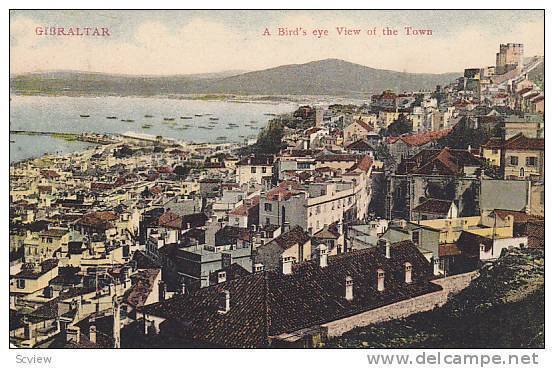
x=521, y=142
x=421, y=138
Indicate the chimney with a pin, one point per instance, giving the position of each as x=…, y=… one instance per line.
x=322, y=251
x=340, y=228
x=224, y=302
x=221, y=277
x=436, y=270
x=380, y=280
x=286, y=226
x=183, y=289
x=92, y=334
x=161, y=290
x=349, y=288
x=28, y=329
x=73, y=333
x=286, y=265
x=385, y=245
x=258, y=267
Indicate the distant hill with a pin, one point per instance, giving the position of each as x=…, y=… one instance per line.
x=324, y=77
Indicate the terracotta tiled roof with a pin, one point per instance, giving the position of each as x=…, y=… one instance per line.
x=294, y=236
x=267, y=304
x=143, y=284
x=446, y=250
x=421, y=138
x=521, y=142
x=436, y=206
x=493, y=142
x=438, y=162
x=519, y=216
x=244, y=208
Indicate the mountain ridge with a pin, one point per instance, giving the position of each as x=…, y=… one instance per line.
x=319, y=77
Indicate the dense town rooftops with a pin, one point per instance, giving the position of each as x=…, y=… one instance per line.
x=30, y=271
x=438, y=162
x=266, y=304
x=258, y=160
x=294, y=236
x=143, y=284
x=421, y=138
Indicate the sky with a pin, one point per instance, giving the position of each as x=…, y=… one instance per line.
x=186, y=42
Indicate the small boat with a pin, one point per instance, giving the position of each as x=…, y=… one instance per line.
x=269, y=114
x=111, y=117
x=169, y=119
x=222, y=138
x=186, y=117
x=213, y=119
x=148, y=116
x=198, y=115
x=146, y=126
x=254, y=128
x=127, y=120
x=84, y=116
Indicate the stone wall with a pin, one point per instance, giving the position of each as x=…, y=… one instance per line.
x=451, y=285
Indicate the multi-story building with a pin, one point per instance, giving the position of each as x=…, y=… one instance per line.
x=446, y=174
x=255, y=169
x=509, y=57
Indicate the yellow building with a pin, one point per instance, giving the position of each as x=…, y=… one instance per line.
x=491, y=151
x=523, y=158
x=34, y=277
x=450, y=229
x=45, y=244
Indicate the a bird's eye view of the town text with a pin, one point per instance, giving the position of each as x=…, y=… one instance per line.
x=265, y=179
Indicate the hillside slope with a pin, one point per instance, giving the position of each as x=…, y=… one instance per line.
x=324, y=77
x=502, y=308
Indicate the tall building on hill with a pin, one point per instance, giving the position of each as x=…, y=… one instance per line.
x=509, y=58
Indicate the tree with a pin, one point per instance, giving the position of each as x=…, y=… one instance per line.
x=401, y=125
x=182, y=170
x=270, y=138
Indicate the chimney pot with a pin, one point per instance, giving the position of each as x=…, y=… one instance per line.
x=221, y=277
x=92, y=334
x=322, y=248
x=349, y=288
x=286, y=263
x=224, y=301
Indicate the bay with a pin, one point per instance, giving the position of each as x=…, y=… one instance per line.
x=62, y=114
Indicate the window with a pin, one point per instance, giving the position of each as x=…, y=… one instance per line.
x=253, y=169
x=522, y=172
x=494, y=151
x=531, y=161
x=264, y=170
x=267, y=207
x=21, y=283
x=513, y=160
